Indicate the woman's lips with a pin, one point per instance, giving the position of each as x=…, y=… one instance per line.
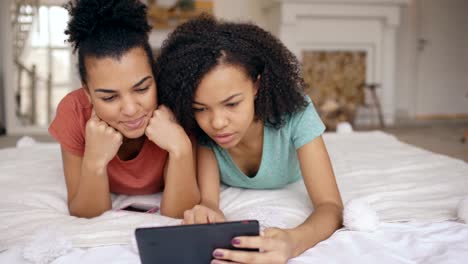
x=224, y=138
x=134, y=124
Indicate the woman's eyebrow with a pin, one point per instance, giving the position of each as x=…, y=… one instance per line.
x=141, y=81
x=223, y=101
x=105, y=90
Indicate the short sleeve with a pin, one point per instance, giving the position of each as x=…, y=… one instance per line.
x=68, y=127
x=306, y=125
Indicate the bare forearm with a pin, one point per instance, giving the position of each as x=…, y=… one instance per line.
x=93, y=195
x=212, y=204
x=209, y=192
x=320, y=225
x=181, y=190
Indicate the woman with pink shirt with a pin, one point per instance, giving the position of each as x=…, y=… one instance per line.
x=113, y=135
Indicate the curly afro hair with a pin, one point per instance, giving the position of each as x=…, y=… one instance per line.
x=107, y=28
x=199, y=45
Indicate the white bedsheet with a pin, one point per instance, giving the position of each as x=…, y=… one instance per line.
x=401, y=182
x=392, y=243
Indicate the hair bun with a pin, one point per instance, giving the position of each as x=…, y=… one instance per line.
x=89, y=17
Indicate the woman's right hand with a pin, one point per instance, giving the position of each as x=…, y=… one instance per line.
x=201, y=214
x=102, y=141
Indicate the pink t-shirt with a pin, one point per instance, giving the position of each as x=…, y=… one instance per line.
x=141, y=175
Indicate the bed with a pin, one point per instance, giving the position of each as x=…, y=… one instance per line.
x=414, y=193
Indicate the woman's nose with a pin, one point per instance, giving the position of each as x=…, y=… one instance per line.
x=129, y=107
x=219, y=121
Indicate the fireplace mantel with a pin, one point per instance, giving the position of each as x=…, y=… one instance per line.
x=344, y=25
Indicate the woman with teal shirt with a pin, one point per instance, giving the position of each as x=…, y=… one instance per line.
x=239, y=91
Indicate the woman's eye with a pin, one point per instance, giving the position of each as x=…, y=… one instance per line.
x=108, y=98
x=142, y=89
x=197, y=110
x=232, y=104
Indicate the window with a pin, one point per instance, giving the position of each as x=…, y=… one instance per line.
x=52, y=57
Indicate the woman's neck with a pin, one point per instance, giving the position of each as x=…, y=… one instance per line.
x=253, y=136
x=130, y=148
x=133, y=141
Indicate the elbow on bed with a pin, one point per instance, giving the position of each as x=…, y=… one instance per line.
x=335, y=207
x=170, y=210
x=87, y=212
x=87, y=215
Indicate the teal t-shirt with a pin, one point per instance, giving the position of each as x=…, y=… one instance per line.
x=279, y=165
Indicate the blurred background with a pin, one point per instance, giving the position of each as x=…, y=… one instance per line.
x=396, y=65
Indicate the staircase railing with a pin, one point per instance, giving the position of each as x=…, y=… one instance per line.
x=24, y=15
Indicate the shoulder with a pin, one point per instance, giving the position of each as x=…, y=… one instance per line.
x=75, y=105
x=305, y=125
x=308, y=112
x=68, y=126
x=76, y=99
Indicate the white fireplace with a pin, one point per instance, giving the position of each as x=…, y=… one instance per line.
x=344, y=25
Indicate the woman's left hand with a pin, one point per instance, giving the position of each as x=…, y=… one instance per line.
x=164, y=130
x=276, y=246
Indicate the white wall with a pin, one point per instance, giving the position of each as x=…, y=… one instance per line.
x=406, y=61
x=4, y=21
x=433, y=80
x=410, y=101
x=442, y=64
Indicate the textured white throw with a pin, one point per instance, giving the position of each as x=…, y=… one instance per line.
x=399, y=181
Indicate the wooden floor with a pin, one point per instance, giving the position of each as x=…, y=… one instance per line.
x=443, y=138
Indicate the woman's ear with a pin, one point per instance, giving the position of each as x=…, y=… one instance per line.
x=257, y=85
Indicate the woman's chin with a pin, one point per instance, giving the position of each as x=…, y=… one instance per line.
x=132, y=134
x=227, y=145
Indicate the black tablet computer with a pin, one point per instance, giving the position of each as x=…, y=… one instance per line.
x=190, y=243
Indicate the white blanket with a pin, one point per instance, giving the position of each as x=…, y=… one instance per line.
x=392, y=243
x=402, y=182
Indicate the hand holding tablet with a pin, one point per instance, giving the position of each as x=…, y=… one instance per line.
x=190, y=243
